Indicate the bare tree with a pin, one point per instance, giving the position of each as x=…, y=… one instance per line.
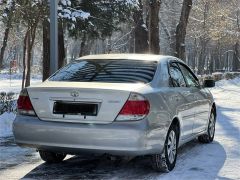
x=32, y=14
x=31, y=40
x=25, y=44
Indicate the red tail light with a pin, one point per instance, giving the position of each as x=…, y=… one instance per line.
x=137, y=107
x=24, y=104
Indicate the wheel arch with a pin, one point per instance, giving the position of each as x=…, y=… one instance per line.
x=176, y=121
x=214, y=108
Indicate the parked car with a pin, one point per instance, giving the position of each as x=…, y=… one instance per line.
x=119, y=104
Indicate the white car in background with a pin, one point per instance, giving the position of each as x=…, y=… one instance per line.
x=119, y=104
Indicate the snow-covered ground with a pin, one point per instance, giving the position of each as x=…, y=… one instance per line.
x=218, y=160
x=13, y=83
x=6, y=121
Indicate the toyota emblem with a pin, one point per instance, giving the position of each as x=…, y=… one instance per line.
x=74, y=94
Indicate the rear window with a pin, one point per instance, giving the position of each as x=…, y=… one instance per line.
x=113, y=71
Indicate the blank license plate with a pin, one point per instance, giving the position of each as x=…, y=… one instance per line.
x=73, y=108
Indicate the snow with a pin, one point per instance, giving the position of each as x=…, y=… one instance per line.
x=217, y=160
x=67, y=12
x=80, y=14
x=144, y=26
x=134, y=3
x=64, y=2
x=6, y=121
x=14, y=85
x=230, y=83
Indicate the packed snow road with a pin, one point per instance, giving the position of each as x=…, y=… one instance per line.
x=218, y=160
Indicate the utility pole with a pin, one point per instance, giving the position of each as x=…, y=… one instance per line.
x=53, y=36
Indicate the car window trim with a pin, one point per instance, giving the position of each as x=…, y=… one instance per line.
x=170, y=77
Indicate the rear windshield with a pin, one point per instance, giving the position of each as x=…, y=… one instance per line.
x=113, y=71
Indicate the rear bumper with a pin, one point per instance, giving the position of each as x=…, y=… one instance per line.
x=117, y=138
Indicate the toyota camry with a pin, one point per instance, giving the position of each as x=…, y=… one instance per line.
x=118, y=104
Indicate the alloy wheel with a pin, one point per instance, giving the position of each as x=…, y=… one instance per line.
x=171, y=146
x=211, y=125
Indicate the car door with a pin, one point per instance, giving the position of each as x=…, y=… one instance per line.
x=200, y=101
x=182, y=99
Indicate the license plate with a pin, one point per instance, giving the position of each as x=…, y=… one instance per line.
x=75, y=108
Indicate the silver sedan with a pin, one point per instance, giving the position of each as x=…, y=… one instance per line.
x=119, y=104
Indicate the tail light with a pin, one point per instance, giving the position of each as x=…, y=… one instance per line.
x=24, y=104
x=136, y=108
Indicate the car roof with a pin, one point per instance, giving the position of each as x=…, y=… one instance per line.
x=146, y=57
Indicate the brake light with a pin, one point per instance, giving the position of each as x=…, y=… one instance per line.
x=136, y=108
x=24, y=104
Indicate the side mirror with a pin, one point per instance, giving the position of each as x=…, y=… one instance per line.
x=208, y=83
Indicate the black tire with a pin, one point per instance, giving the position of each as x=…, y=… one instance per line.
x=163, y=162
x=208, y=138
x=51, y=157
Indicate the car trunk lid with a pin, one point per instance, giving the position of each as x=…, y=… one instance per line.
x=80, y=102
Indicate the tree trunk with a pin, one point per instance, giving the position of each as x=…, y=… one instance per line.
x=82, y=46
x=28, y=62
x=154, y=7
x=140, y=31
x=202, y=56
x=86, y=46
x=31, y=40
x=236, y=58
x=25, y=47
x=182, y=29
x=194, y=55
x=5, y=40
x=61, y=48
x=6, y=34
x=46, y=50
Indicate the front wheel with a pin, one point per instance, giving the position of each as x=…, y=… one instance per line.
x=51, y=157
x=166, y=161
x=207, y=138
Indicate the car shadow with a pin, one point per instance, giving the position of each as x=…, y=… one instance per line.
x=194, y=158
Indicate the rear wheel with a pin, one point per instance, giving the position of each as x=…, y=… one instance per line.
x=166, y=161
x=51, y=157
x=207, y=138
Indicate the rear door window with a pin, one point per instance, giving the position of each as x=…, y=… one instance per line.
x=177, y=79
x=113, y=71
x=190, y=79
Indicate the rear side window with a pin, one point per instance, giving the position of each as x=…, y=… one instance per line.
x=190, y=79
x=177, y=78
x=113, y=71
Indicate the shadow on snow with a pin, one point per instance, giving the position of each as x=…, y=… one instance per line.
x=193, y=157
